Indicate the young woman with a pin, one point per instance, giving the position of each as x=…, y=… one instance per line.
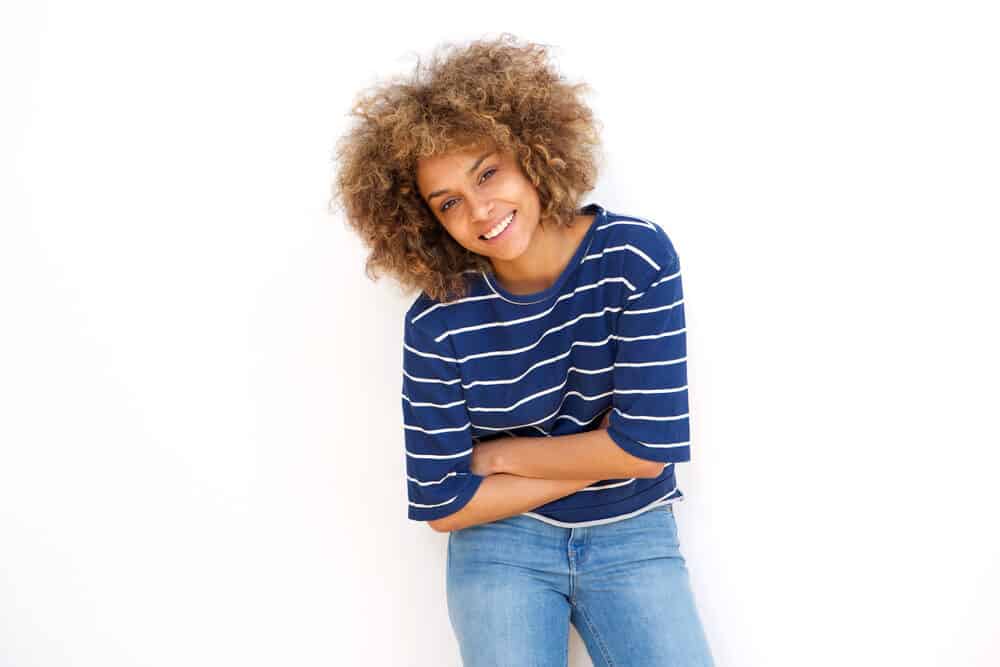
x=544, y=388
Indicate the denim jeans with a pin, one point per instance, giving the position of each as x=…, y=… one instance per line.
x=515, y=585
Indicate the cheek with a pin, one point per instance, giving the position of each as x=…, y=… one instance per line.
x=453, y=233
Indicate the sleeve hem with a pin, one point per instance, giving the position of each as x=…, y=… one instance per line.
x=466, y=493
x=658, y=454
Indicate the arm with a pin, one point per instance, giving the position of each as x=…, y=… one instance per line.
x=436, y=424
x=504, y=493
x=590, y=454
x=649, y=415
x=501, y=495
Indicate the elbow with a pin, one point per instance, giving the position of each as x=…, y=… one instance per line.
x=445, y=524
x=651, y=469
x=642, y=468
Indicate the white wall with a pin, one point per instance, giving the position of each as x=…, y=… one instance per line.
x=201, y=453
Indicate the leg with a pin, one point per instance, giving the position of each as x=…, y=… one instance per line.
x=632, y=602
x=506, y=597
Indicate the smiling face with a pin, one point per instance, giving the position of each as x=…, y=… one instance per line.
x=473, y=192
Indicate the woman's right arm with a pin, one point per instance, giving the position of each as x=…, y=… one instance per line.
x=503, y=495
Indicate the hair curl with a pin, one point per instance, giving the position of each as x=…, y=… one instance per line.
x=495, y=91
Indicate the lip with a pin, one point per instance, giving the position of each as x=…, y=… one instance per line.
x=499, y=236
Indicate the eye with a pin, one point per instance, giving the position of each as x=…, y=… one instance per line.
x=486, y=174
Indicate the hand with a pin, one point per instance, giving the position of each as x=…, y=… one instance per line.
x=484, y=458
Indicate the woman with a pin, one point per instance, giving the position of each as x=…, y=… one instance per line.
x=544, y=387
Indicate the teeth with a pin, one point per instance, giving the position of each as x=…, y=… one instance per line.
x=500, y=227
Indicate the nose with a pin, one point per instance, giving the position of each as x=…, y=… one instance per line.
x=482, y=209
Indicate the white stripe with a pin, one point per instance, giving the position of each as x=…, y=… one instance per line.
x=431, y=405
x=439, y=456
x=573, y=419
x=615, y=485
x=628, y=247
x=589, y=398
x=440, y=430
x=652, y=418
x=568, y=394
x=611, y=485
x=665, y=445
x=447, y=502
x=650, y=391
x=607, y=309
x=419, y=483
x=651, y=336
x=428, y=354
x=538, y=316
x=585, y=371
x=665, y=279
x=626, y=222
x=542, y=393
x=420, y=379
x=652, y=285
x=518, y=350
x=587, y=343
x=653, y=310
x=455, y=303
x=640, y=364
x=645, y=220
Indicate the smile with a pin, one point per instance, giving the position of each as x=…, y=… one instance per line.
x=501, y=227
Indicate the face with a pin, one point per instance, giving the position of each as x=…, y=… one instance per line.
x=472, y=191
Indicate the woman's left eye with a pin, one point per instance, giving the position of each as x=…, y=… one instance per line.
x=488, y=171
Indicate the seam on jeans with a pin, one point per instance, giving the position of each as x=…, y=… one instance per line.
x=597, y=636
x=565, y=658
x=572, y=577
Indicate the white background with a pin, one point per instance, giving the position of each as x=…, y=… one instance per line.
x=201, y=456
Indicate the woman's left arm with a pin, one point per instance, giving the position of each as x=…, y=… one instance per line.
x=587, y=455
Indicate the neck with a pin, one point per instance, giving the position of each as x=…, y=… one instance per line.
x=538, y=268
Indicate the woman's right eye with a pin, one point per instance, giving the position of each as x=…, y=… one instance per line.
x=445, y=207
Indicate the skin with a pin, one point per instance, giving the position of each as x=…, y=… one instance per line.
x=487, y=457
x=530, y=255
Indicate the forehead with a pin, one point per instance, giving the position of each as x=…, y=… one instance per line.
x=451, y=165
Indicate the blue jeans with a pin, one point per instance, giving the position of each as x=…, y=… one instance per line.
x=515, y=585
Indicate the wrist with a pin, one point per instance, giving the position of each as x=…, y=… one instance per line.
x=498, y=455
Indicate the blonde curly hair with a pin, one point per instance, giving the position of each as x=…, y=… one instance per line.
x=490, y=90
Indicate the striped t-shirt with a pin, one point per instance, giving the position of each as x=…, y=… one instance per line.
x=609, y=333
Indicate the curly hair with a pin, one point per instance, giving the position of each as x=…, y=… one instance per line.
x=495, y=91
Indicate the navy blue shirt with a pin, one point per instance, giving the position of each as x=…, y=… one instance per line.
x=608, y=334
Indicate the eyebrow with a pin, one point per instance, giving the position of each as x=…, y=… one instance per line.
x=437, y=193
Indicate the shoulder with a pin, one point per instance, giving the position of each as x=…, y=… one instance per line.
x=428, y=318
x=419, y=322
x=646, y=247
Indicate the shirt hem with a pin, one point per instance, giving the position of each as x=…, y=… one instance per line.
x=674, y=496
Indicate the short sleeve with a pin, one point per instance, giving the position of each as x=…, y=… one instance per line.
x=649, y=418
x=436, y=428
